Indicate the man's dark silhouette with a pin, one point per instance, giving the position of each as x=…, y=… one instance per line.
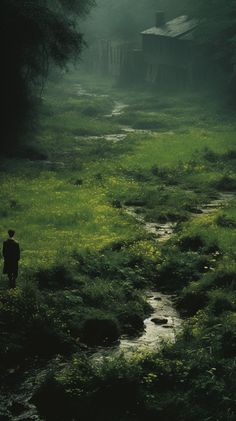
x=11, y=255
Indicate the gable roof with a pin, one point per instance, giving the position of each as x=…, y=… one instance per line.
x=175, y=28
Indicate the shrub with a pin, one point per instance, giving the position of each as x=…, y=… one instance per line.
x=221, y=301
x=228, y=343
x=28, y=327
x=230, y=155
x=190, y=301
x=224, y=278
x=225, y=183
x=56, y=277
x=100, y=331
x=210, y=155
x=225, y=222
x=131, y=318
x=191, y=243
x=85, y=391
x=178, y=269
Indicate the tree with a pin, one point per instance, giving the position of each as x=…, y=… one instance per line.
x=217, y=34
x=34, y=35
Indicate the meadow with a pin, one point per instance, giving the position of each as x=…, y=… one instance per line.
x=86, y=263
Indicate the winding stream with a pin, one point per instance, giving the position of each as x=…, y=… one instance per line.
x=164, y=322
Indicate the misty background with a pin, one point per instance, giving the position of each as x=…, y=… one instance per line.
x=39, y=36
x=124, y=20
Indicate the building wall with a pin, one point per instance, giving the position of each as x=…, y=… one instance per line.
x=167, y=50
x=169, y=61
x=166, y=62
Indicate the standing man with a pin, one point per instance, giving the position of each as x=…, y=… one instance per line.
x=11, y=255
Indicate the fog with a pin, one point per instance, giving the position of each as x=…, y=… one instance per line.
x=117, y=46
x=118, y=197
x=199, y=55
x=125, y=19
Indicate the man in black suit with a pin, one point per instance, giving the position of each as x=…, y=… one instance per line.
x=11, y=255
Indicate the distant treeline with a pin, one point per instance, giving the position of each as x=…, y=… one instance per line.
x=217, y=33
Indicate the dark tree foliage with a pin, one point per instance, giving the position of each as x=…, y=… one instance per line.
x=217, y=34
x=34, y=35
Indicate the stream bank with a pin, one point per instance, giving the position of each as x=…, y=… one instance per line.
x=165, y=321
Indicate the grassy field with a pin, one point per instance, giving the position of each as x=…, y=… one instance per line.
x=65, y=202
x=86, y=262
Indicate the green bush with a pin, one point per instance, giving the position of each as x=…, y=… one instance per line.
x=221, y=301
x=100, y=331
x=56, y=277
x=225, y=183
x=178, y=269
x=190, y=301
x=28, y=327
x=225, y=222
x=191, y=243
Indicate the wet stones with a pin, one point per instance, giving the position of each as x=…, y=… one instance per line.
x=159, y=321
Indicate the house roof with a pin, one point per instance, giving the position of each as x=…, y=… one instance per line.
x=174, y=28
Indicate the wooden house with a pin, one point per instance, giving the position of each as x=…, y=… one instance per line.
x=169, y=52
x=168, y=56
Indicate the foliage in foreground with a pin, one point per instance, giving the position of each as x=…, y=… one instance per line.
x=180, y=382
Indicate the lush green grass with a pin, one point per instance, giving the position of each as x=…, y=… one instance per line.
x=66, y=204
x=85, y=261
x=54, y=216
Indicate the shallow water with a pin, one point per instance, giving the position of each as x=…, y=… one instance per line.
x=162, y=304
x=117, y=110
x=154, y=334
x=217, y=203
x=162, y=231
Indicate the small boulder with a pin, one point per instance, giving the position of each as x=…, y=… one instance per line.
x=159, y=321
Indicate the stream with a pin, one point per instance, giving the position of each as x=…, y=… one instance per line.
x=163, y=324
